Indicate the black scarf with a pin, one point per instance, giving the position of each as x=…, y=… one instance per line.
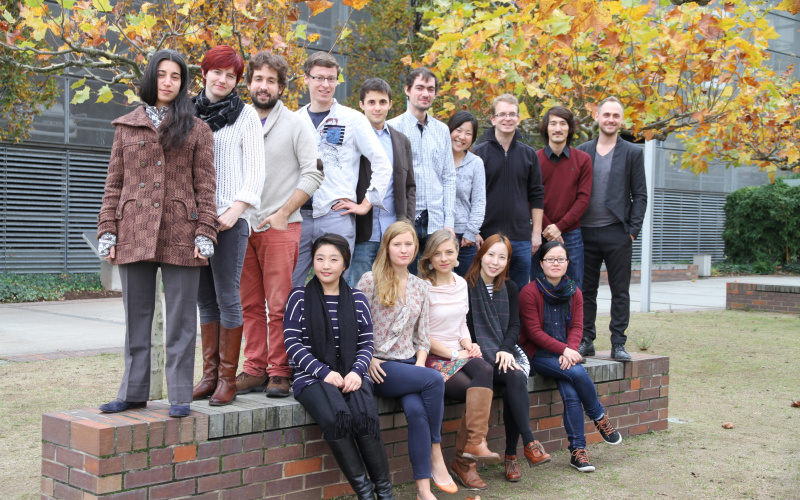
x=489, y=318
x=355, y=412
x=559, y=295
x=220, y=113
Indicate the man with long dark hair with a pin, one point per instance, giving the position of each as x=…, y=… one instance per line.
x=567, y=180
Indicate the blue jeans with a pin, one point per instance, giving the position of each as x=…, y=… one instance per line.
x=520, y=269
x=218, y=294
x=420, y=391
x=465, y=257
x=363, y=256
x=577, y=391
x=573, y=240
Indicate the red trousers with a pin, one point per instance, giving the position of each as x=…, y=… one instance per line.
x=265, y=286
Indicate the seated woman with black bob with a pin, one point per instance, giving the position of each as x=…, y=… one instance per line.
x=551, y=309
x=493, y=321
x=399, y=304
x=328, y=337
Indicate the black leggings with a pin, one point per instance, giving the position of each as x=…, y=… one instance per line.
x=313, y=399
x=516, y=404
x=476, y=373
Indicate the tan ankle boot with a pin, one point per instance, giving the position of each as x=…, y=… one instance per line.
x=209, y=335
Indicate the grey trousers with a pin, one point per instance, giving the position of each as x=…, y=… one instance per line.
x=311, y=229
x=139, y=295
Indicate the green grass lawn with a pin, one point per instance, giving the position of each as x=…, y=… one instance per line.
x=725, y=366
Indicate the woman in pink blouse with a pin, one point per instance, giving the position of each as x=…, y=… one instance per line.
x=399, y=304
x=467, y=376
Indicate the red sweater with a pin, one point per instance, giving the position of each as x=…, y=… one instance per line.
x=532, y=336
x=567, y=189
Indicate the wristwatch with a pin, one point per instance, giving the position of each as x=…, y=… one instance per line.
x=454, y=355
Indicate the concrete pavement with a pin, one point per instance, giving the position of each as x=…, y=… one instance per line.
x=89, y=325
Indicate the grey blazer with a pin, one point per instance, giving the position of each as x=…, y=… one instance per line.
x=405, y=188
x=626, y=194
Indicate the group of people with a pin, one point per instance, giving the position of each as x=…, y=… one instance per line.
x=430, y=276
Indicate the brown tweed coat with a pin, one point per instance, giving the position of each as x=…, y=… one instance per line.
x=156, y=202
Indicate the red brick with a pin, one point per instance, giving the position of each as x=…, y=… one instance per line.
x=62, y=491
x=201, y=428
x=316, y=448
x=659, y=425
x=47, y=486
x=648, y=416
x=395, y=435
x=290, y=436
x=134, y=461
x=185, y=453
x=55, y=470
x=618, y=410
x=140, y=494
x=602, y=389
x=627, y=397
x=207, y=450
x=161, y=456
x=197, y=468
x=613, y=386
x=557, y=409
x=400, y=449
x=640, y=406
x=91, y=437
x=148, y=477
x=657, y=404
x=609, y=400
x=625, y=385
x=451, y=426
x=265, y=473
x=208, y=496
x=48, y=451
x=283, y=454
x=650, y=393
x=55, y=428
x=628, y=420
x=637, y=429
x=252, y=442
x=399, y=477
x=339, y=490
x=187, y=429
x=94, y=484
x=155, y=434
x=663, y=392
x=549, y=423
x=171, y=432
x=594, y=437
x=318, y=479
x=636, y=384
x=249, y=492
x=242, y=460
x=400, y=420
x=219, y=482
x=311, y=433
x=283, y=486
x=231, y=446
x=539, y=411
x=314, y=494
x=69, y=458
x=172, y=490
x=302, y=467
x=139, y=437
x=386, y=421
x=329, y=462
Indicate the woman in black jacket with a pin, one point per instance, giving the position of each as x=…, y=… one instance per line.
x=493, y=322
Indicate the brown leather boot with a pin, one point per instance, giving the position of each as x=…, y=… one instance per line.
x=512, y=469
x=535, y=454
x=209, y=335
x=467, y=474
x=476, y=417
x=230, y=343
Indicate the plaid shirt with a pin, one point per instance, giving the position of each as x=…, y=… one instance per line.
x=434, y=168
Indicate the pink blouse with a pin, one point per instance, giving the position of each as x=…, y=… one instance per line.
x=399, y=331
x=448, y=313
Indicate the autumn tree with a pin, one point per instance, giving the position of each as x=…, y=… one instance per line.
x=110, y=41
x=700, y=72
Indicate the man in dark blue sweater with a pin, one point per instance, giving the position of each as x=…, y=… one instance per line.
x=514, y=192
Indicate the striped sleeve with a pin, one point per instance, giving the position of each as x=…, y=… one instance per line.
x=297, y=342
x=365, y=340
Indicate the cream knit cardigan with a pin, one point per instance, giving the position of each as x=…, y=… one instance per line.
x=239, y=162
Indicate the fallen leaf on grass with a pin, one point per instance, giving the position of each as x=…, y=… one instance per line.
x=795, y=404
x=728, y=425
x=474, y=498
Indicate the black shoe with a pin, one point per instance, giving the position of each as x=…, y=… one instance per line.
x=586, y=348
x=179, y=410
x=374, y=455
x=349, y=461
x=610, y=435
x=580, y=460
x=619, y=353
x=117, y=406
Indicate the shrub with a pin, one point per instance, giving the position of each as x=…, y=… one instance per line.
x=35, y=287
x=762, y=225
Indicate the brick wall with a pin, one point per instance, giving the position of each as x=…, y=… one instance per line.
x=663, y=272
x=774, y=298
x=262, y=448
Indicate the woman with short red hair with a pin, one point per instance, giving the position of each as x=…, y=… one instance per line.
x=239, y=164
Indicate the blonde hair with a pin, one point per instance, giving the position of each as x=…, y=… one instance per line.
x=506, y=98
x=426, y=270
x=387, y=282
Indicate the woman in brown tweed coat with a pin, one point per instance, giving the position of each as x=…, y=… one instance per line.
x=159, y=211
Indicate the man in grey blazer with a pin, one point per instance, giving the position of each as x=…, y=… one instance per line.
x=610, y=224
x=400, y=199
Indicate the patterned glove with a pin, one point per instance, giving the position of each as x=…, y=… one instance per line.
x=107, y=241
x=205, y=245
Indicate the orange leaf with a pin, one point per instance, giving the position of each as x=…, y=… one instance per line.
x=318, y=6
x=293, y=14
x=12, y=36
x=792, y=6
x=795, y=404
x=356, y=4
x=728, y=425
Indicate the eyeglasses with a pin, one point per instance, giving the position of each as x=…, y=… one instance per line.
x=506, y=115
x=320, y=79
x=560, y=260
